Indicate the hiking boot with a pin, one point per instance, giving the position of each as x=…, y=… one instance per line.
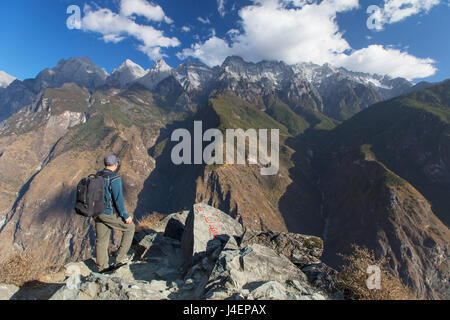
x=125, y=261
x=105, y=270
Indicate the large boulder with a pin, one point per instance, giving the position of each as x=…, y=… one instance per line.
x=203, y=225
x=154, y=246
x=174, y=225
x=300, y=249
x=257, y=272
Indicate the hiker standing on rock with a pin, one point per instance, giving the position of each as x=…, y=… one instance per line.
x=115, y=216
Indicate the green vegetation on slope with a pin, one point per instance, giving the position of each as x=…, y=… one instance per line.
x=235, y=113
x=284, y=115
x=69, y=97
x=409, y=135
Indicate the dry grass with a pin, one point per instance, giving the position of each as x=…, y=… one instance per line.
x=354, y=276
x=21, y=268
x=150, y=222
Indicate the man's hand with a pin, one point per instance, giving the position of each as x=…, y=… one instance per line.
x=129, y=220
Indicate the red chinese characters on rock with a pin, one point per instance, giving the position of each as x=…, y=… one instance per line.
x=215, y=226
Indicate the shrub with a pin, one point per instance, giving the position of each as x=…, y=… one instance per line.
x=354, y=276
x=21, y=268
x=150, y=222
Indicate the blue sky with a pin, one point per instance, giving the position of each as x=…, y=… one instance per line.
x=406, y=38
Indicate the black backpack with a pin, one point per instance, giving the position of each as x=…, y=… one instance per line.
x=90, y=200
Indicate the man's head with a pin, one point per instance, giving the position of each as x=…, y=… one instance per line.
x=112, y=163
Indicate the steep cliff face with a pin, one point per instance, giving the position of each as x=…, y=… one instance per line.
x=258, y=201
x=28, y=139
x=367, y=204
x=383, y=179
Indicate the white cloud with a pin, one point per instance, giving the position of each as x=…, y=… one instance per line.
x=396, y=63
x=143, y=8
x=116, y=27
x=398, y=10
x=213, y=51
x=221, y=7
x=185, y=29
x=204, y=20
x=304, y=31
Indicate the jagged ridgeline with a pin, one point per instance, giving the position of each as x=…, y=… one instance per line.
x=377, y=178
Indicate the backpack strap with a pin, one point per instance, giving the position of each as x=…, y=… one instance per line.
x=111, y=200
x=110, y=181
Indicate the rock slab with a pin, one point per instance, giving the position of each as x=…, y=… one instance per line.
x=203, y=224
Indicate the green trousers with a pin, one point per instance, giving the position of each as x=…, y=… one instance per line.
x=104, y=223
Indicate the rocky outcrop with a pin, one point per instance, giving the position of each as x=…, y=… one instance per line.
x=299, y=249
x=203, y=225
x=257, y=272
x=223, y=270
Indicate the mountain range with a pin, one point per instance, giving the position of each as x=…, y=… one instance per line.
x=335, y=92
x=363, y=158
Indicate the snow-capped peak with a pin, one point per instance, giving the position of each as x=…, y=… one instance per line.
x=132, y=68
x=81, y=71
x=5, y=79
x=160, y=71
x=161, y=66
x=126, y=74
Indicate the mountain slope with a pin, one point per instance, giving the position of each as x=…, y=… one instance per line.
x=384, y=176
x=59, y=145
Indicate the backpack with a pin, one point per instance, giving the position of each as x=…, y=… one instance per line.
x=90, y=198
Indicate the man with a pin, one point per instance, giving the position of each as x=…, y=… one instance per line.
x=115, y=217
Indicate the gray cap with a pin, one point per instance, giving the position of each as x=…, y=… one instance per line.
x=111, y=160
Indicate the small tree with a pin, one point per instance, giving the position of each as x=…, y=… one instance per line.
x=354, y=278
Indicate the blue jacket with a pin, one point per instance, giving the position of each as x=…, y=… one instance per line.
x=116, y=196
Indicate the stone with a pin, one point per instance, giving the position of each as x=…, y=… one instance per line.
x=254, y=264
x=173, y=225
x=174, y=229
x=79, y=267
x=323, y=277
x=271, y=290
x=203, y=224
x=300, y=249
x=7, y=291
